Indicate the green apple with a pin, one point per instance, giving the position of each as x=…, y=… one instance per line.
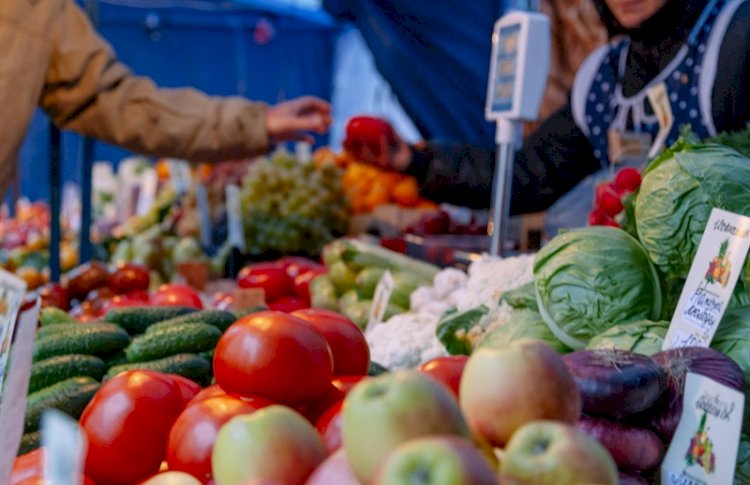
x=436, y=460
x=504, y=388
x=383, y=412
x=273, y=444
x=335, y=470
x=554, y=453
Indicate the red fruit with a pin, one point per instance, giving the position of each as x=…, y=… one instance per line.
x=176, y=295
x=127, y=277
x=628, y=179
x=597, y=217
x=366, y=133
x=447, y=370
x=270, y=277
x=288, y=304
x=329, y=426
x=54, y=295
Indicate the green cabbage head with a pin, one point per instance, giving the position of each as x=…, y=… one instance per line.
x=591, y=279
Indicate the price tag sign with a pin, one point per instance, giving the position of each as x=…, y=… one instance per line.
x=711, y=280
x=149, y=182
x=180, y=175
x=659, y=100
x=13, y=398
x=12, y=290
x=380, y=301
x=234, y=218
x=64, y=448
x=704, y=448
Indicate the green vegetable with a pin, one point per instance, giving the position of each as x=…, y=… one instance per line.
x=341, y=276
x=323, y=294
x=522, y=324
x=678, y=192
x=593, y=278
x=61, y=328
x=360, y=254
x=522, y=297
x=367, y=280
x=644, y=337
x=358, y=312
x=187, y=338
x=53, y=315
x=30, y=442
x=404, y=285
x=742, y=470
x=348, y=299
x=194, y=367
x=117, y=359
x=55, y=369
x=218, y=318
x=732, y=338
x=454, y=329
x=136, y=320
x=69, y=396
x=88, y=339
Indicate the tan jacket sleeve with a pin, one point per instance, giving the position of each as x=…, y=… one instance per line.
x=87, y=90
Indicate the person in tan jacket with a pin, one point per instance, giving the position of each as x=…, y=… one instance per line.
x=51, y=57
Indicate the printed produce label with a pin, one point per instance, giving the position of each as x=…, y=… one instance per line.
x=12, y=290
x=711, y=280
x=704, y=448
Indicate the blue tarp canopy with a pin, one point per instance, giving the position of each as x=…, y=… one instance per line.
x=435, y=55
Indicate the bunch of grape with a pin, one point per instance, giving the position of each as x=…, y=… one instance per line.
x=292, y=207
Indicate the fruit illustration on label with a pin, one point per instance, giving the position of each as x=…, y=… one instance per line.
x=701, y=449
x=720, y=266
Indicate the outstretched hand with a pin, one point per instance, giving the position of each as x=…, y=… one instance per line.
x=295, y=119
x=374, y=141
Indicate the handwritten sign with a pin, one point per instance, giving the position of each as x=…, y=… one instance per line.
x=704, y=448
x=711, y=280
x=381, y=298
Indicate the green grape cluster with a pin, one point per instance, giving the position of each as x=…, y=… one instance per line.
x=292, y=207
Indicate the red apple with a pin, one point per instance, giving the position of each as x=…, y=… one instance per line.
x=335, y=470
x=554, y=453
x=447, y=369
x=502, y=389
x=329, y=427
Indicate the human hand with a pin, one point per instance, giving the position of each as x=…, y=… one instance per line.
x=374, y=141
x=294, y=119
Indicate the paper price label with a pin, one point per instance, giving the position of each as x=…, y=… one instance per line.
x=234, y=218
x=147, y=193
x=64, y=448
x=13, y=401
x=711, y=280
x=383, y=292
x=659, y=100
x=704, y=448
x=12, y=290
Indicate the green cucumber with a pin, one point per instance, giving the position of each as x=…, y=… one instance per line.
x=53, y=315
x=117, y=359
x=67, y=327
x=30, y=442
x=135, y=320
x=88, y=339
x=192, y=366
x=175, y=339
x=218, y=318
x=69, y=396
x=61, y=367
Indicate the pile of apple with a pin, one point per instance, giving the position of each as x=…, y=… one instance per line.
x=609, y=199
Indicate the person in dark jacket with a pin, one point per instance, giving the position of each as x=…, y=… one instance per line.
x=696, y=49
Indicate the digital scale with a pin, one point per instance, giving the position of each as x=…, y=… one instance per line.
x=518, y=76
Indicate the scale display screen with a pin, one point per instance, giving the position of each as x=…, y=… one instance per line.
x=505, y=66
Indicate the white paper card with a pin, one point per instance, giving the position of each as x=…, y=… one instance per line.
x=204, y=215
x=711, y=280
x=147, y=194
x=380, y=300
x=234, y=217
x=659, y=100
x=12, y=290
x=64, y=448
x=13, y=404
x=704, y=448
x=179, y=175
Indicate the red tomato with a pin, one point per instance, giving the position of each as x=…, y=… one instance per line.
x=53, y=294
x=288, y=304
x=121, y=301
x=188, y=389
x=314, y=409
x=208, y=393
x=447, y=370
x=127, y=424
x=302, y=283
x=176, y=295
x=329, y=427
x=346, y=383
x=272, y=279
x=27, y=466
x=193, y=435
x=86, y=278
x=295, y=265
x=273, y=355
x=127, y=277
x=351, y=354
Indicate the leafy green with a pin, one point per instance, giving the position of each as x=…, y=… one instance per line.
x=733, y=337
x=590, y=279
x=521, y=297
x=679, y=190
x=454, y=329
x=523, y=323
x=644, y=337
x=742, y=470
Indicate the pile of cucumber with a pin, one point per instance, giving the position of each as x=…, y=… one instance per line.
x=71, y=360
